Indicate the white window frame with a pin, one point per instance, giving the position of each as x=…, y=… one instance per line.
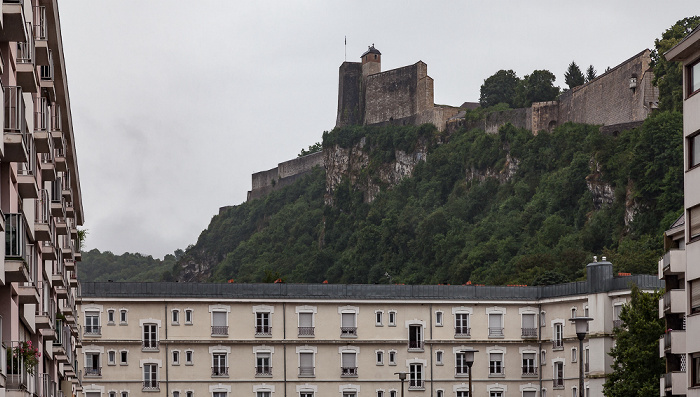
x=189, y=313
x=175, y=317
x=496, y=311
x=263, y=330
x=389, y=357
x=378, y=318
x=189, y=352
x=111, y=357
x=307, y=350
x=110, y=314
x=348, y=310
x=392, y=318
x=379, y=357
x=574, y=355
x=439, y=318
x=123, y=316
x=122, y=355
x=439, y=357
x=173, y=354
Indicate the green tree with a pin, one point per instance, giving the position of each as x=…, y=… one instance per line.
x=591, y=73
x=499, y=88
x=316, y=147
x=573, y=76
x=636, y=363
x=668, y=76
x=536, y=87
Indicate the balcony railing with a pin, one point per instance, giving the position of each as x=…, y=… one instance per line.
x=529, y=370
x=496, y=331
x=25, y=52
x=264, y=370
x=219, y=371
x=416, y=384
x=415, y=345
x=618, y=323
x=558, y=383
x=40, y=27
x=149, y=344
x=348, y=371
x=92, y=371
x=18, y=378
x=15, y=236
x=14, y=110
x=306, y=371
x=56, y=124
x=306, y=331
x=47, y=387
x=497, y=370
x=461, y=371
x=348, y=331
x=558, y=344
x=219, y=330
x=151, y=385
x=264, y=330
x=463, y=332
x=93, y=330
x=529, y=332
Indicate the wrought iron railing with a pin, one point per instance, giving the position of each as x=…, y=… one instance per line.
x=495, y=331
x=306, y=331
x=529, y=370
x=414, y=384
x=151, y=385
x=529, y=332
x=415, y=344
x=219, y=370
x=348, y=331
x=462, y=332
x=263, y=370
x=149, y=344
x=306, y=371
x=558, y=344
x=348, y=371
x=263, y=330
x=219, y=330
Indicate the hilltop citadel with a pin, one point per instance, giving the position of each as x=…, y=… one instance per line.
x=619, y=99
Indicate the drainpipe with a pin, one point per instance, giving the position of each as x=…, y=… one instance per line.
x=430, y=317
x=167, y=377
x=284, y=344
x=539, y=343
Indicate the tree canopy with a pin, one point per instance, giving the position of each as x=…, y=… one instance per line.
x=591, y=73
x=636, y=363
x=536, y=87
x=573, y=76
x=499, y=88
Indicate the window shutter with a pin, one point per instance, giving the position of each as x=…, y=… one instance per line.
x=348, y=320
x=219, y=319
x=694, y=222
x=305, y=319
x=528, y=321
x=529, y=356
x=348, y=360
x=695, y=295
x=306, y=360
x=495, y=320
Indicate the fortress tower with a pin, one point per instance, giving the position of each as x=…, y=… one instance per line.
x=371, y=61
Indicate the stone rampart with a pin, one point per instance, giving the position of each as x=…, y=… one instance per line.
x=284, y=174
x=396, y=93
x=350, y=107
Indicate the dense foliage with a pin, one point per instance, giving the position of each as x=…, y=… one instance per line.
x=573, y=77
x=105, y=266
x=499, y=88
x=539, y=226
x=636, y=363
x=591, y=73
x=505, y=87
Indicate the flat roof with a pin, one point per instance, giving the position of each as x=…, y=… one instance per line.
x=686, y=47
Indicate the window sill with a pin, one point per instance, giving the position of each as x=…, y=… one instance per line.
x=123, y=364
x=111, y=364
x=349, y=336
x=175, y=324
x=461, y=375
x=189, y=364
x=392, y=325
x=348, y=376
x=262, y=376
x=557, y=349
x=496, y=337
x=462, y=336
x=264, y=336
x=416, y=350
x=306, y=336
x=219, y=376
x=307, y=376
x=440, y=364
x=123, y=324
x=416, y=389
x=189, y=324
x=497, y=375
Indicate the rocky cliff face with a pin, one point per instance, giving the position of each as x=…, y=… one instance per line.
x=503, y=175
x=196, y=266
x=354, y=163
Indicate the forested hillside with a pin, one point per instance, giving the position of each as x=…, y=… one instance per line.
x=507, y=208
x=105, y=266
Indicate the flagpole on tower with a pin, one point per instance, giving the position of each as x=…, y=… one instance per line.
x=346, y=48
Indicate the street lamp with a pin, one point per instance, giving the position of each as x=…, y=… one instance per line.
x=469, y=360
x=402, y=376
x=581, y=329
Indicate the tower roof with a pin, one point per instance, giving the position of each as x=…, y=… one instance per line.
x=371, y=50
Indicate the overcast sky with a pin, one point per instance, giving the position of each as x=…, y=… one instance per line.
x=176, y=103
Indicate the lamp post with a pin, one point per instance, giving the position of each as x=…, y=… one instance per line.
x=581, y=329
x=402, y=376
x=469, y=359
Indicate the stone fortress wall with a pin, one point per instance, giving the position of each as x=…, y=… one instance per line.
x=617, y=100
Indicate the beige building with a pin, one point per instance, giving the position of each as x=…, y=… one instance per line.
x=679, y=267
x=307, y=340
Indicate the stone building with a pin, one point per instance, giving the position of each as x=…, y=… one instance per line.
x=41, y=204
x=308, y=340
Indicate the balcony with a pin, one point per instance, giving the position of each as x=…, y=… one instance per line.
x=495, y=332
x=415, y=345
x=151, y=385
x=25, y=67
x=348, y=372
x=219, y=330
x=529, y=332
x=497, y=370
x=43, y=221
x=219, y=371
x=149, y=345
x=18, y=378
x=13, y=21
x=529, y=371
x=558, y=383
x=45, y=314
x=28, y=292
x=676, y=383
x=26, y=179
x=306, y=331
x=348, y=332
x=16, y=266
x=92, y=331
x=672, y=342
x=674, y=301
x=672, y=263
x=416, y=384
x=306, y=372
x=40, y=30
x=463, y=332
x=59, y=158
x=47, y=167
x=92, y=371
x=15, y=135
x=264, y=370
x=558, y=344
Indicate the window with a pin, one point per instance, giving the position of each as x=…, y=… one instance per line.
x=462, y=393
x=111, y=357
x=529, y=393
x=558, y=379
x=150, y=337
x=543, y=393
x=694, y=78
x=543, y=357
x=392, y=357
x=574, y=392
x=189, y=357
x=219, y=394
x=529, y=366
x=123, y=355
x=694, y=216
x=110, y=320
x=262, y=324
x=176, y=393
x=348, y=325
x=380, y=393
x=380, y=357
x=438, y=319
x=218, y=365
x=348, y=364
x=264, y=393
x=392, y=393
x=543, y=321
x=695, y=369
x=122, y=317
x=496, y=393
x=695, y=296
x=306, y=324
x=92, y=323
x=693, y=150
x=415, y=379
x=125, y=394
x=586, y=361
x=438, y=357
x=461, y=367
x=495, y=325
x=92, y=364
x=189, y=393
x=112, y=394
x=176, y=317
x=617, y=309
x=219, y=325
x=150, y=377
x=574, y=355
x=263, y=367
x=573, y=312
x=528, y=325
x=415, y=337
x=392, y=318
x=495, y=364
x=176, y=357
x=440, y=393
x=188, y=319
x=306, y=394
x=378, y=318
x=349, y=394
x=306, y=364
x=558, y=341
x=462, y=325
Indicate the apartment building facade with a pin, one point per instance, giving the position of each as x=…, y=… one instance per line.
x=307, y=340
x=680, y=267
x=41, y=207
